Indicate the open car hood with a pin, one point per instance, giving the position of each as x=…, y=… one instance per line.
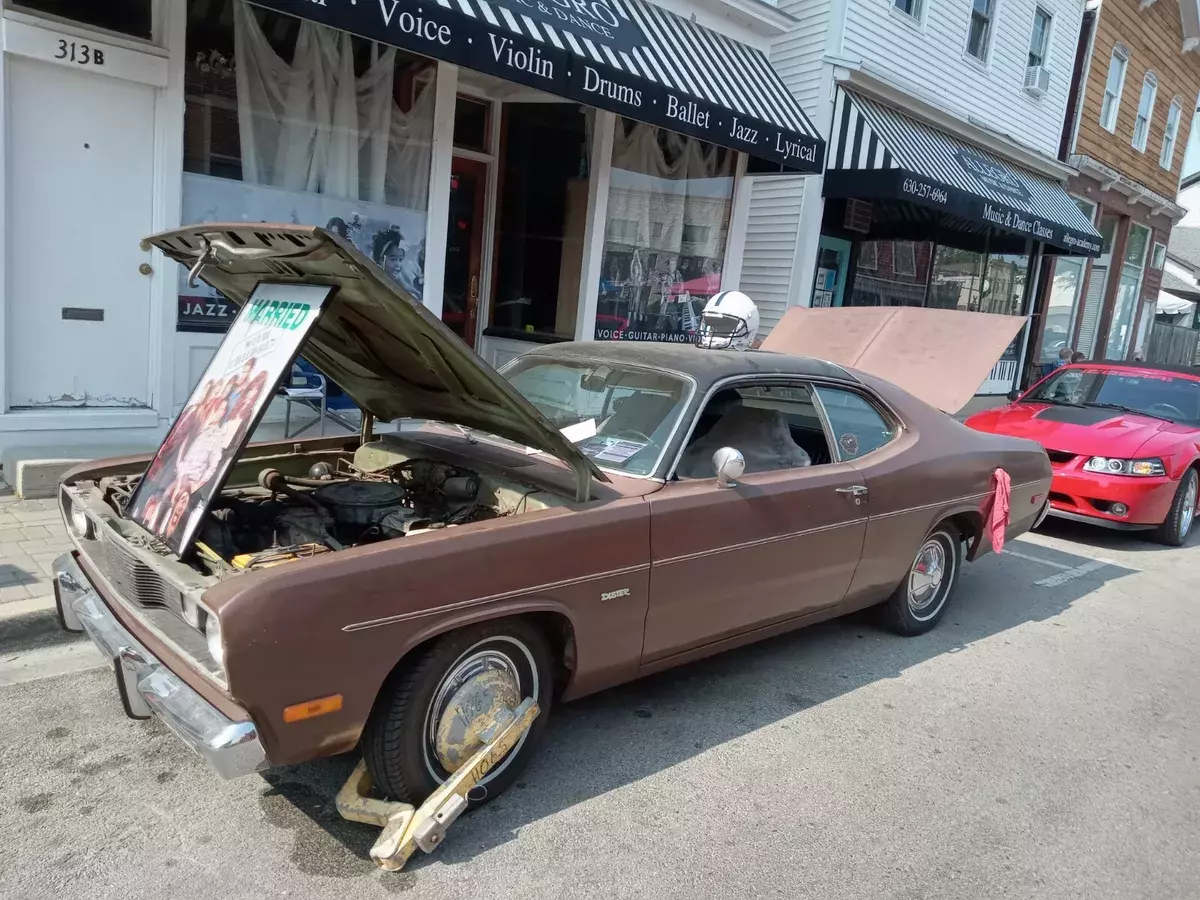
x=374, y=339
x=940, y=356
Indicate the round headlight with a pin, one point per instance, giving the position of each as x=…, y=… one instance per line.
x=212, y=635
x=80, y=523
x=1116, y=465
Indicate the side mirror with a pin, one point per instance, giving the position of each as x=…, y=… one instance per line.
x=729, y=465
x=1014, y=395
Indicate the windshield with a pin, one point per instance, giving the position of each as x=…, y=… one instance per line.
x=1160, y=395
x=619, y=416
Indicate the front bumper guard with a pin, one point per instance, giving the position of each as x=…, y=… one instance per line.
x=147, y=687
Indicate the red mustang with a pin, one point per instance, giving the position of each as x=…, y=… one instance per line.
x=1123, y=440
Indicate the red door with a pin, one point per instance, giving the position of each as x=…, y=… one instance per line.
x=464, y=247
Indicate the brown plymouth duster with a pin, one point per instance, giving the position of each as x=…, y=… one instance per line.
x=278, y=603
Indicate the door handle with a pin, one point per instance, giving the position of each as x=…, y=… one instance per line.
x=857, y=491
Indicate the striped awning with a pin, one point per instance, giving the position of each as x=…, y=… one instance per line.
x=877, y=152
x=627, y=56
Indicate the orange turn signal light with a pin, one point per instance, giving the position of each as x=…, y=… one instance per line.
x=298, y=712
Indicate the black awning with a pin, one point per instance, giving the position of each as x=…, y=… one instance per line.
x=878, y=152
x=626, y=56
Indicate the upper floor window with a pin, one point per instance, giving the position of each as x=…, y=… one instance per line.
x=1166, y=158
x=979, y=34
x=908, y=7
x=1039, y=40
x=1145, y=112
x=132, y=17
x=1113, y=87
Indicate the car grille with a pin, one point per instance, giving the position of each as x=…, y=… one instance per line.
x=134, y=580
x=1060, y=456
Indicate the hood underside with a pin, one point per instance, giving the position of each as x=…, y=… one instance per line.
x=376, y=341
x=940, y=356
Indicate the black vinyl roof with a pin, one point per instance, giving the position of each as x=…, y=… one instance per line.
x=705, y=366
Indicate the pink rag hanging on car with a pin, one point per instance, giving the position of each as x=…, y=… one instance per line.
x=995, y=509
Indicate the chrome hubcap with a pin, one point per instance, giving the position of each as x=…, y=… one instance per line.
x=489, y=677
x=1189, y=508
x=926, y=576
x=466, y=704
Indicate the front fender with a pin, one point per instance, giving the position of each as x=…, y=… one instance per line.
x=340, y=623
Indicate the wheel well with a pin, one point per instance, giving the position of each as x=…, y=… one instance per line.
x=555, y=626
x=969, y=525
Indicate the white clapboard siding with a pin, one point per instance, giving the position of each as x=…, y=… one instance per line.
x=797, y=55
x=930, y=59
x=770, y=254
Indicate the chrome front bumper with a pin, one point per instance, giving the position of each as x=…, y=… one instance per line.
x=147, y=687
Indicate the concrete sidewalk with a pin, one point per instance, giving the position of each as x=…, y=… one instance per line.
x=31, y=536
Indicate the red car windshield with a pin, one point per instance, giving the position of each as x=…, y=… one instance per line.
x=1160, y=395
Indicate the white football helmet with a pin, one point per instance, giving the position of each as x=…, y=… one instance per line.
x=729, y=322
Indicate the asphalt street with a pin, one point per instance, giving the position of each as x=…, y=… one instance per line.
x=1043, y=742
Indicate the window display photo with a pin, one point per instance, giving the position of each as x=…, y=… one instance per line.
x=668, y=219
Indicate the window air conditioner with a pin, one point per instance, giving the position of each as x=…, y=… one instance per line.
x=1037, y=80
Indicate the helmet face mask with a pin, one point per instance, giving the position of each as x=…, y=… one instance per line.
x=721, y=332
x=729, y=322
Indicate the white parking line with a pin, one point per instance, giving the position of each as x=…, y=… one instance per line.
x=1036, y=559
x=1075, y=572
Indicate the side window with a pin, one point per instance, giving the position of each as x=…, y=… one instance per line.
x=774, y=426
x=858, y=427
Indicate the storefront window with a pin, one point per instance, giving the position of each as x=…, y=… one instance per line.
x=1060, y=313
x=891, y=273
x=668, y=219
x=957, y=281
x=291, y=121
x=1128, y=289
x=1004, y=288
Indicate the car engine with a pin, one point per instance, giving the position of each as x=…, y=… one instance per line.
x=331, y=510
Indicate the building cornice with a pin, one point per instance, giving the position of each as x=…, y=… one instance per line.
x=1112, y=180
x=758, y=16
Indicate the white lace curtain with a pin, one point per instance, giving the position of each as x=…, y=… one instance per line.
x=313, y=126
x=689, y=182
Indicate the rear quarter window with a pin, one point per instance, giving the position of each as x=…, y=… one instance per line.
x=858, y=426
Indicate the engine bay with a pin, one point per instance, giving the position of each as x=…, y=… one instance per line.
x=333, y=508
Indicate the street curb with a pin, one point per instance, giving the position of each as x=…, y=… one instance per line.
x=20, y=608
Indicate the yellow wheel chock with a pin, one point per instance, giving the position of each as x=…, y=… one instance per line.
x=405, y=827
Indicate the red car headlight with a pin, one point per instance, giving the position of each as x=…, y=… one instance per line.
x=1112, y=466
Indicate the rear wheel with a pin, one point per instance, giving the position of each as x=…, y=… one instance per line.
x=1178, y=524
x=920, y=600
x=429, y=715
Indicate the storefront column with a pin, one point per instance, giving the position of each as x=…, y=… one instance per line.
x=1029, y=302
x=599, y=176
x=808, y=237
x=3, y=227
x=441, y=158
x=170, y=29
x=739, y=218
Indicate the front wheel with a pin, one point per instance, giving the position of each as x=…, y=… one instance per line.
x=1178, y=524
x=920, y=600
x=431, y=712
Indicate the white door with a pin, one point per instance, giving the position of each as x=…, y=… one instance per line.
x=80, y=194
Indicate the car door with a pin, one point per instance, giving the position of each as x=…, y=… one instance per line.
x=779, y=544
